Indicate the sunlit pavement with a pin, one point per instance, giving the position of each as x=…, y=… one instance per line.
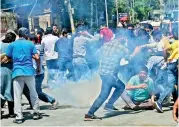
x=73, y=116
x=75, y=100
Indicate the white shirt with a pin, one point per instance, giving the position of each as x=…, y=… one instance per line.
x=48, y=45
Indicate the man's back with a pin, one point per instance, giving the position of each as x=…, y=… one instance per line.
x=64, y=48
x=110, y=55
x=21, y=52
x=48, y=44
x=79, y=46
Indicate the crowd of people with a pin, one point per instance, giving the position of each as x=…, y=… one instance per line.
x=141, y=63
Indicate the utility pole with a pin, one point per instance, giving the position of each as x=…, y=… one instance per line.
x=133, y=13
x=96, y=13
x=117, y=13
x=70, y=15
x=106, y=13
x=173, y=4
x=91, y=24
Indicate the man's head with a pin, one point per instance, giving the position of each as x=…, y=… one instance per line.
x=65, y=33
x=148, y=28
x=142, y=37
x=33, y=38
x=121, y=35
x=49, y=30
x=130, y=26
x=80, y=29
x=55, y=28
x=103, y=26
x=157, y=35
x=9, y=37
x=143, y=72
x=23, y=32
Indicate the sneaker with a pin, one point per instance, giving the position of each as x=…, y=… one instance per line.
x=158, y=107
x=110, y=108
x=54, y=105
x=91, y=117
x=29, y=108
x=37, y=116
x=127, y=108
x=18, y=121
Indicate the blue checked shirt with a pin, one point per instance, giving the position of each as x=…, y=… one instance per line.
x=110, y=55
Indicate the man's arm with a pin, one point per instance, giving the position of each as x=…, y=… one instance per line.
x=152, y=45
x=131, y=87
x=136, y=51
x=91, y=37
x=37, y=59
x=153, y=99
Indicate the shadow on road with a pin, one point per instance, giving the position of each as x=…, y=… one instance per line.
x=116, y=113
x=47, y=107
x=29, y=116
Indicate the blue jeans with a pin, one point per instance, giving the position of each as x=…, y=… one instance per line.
x=161, y=81
x=154, y=61
x=172, y=80
x=52, y=71
x=108, y=82
x=65, y=64
x=81, y=68
x=42, y=96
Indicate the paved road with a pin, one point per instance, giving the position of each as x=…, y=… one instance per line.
x=71, y=116
x=75, y=100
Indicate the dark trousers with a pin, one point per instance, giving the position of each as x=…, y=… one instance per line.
x=10, y=106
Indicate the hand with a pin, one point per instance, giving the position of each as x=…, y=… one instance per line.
x=137, y=49
x=175, y=111
x=149, y=50
x=85, y=33
x=4, y=59
x=142, y=46
x=143, y=86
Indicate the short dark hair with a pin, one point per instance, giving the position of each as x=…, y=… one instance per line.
x=9, y=37
x=40, y=31
x=143, y=36
x=49, y=30
x=32, y=37
x=143, y=68
x=23, y=32
x=130, y=25
x=148, y=26
x=64, y=32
